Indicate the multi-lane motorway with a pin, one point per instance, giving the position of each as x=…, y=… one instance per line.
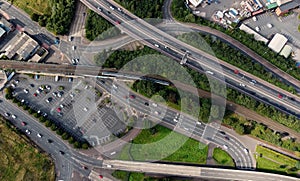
x=199, y=60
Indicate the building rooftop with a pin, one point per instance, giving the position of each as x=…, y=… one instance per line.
x=286, y=51
x=289, y=5
x=277, y=42
x=22, y=45
x=257, y=36
x=281, y=2
x=2, y=32
x=195, y=2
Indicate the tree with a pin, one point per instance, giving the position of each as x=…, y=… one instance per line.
x=65, y=136
x=240, y=129
x=35, y=17
x=77, y=144
x=48, y=123
x=298, y=165
x=85, y=146
x=71, y=140
x=53, y=127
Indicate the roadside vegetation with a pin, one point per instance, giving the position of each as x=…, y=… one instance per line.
x=55, y=15
x=118, y=59
x=222, y=157
x=19, y=159
x=54, y=126
x=231, y=55
x=272, y=161
x=98, y=28
x=191, y=151
x=181, y=13
x=143, y=8
x=244, y=126
x=135, y=176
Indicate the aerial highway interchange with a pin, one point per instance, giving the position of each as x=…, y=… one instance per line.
x=170, y=46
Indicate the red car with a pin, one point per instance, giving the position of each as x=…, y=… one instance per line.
x=100, y=176
x=118, y=22
x=23, y=123
x=236, y=71
x=58, y=109
x=35, y=94
x=280, y=96
x=132, y=96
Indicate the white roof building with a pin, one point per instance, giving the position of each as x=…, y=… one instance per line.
x=257, y=36
x=195, y=3
x=277, y=42
x=286, y=51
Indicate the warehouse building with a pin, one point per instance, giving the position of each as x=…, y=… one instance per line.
x=277, y=42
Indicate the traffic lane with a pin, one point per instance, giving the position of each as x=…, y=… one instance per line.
x=199, y=132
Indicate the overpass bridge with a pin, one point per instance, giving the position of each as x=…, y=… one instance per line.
x=194, y=171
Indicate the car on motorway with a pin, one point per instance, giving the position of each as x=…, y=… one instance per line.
x=13, y=116
x=226, y=137
x=118, y=22
x=28, y=131
x=243, y=85
x=39, y=135
x=222, y=132
x=49, y=141
x=154, y=104
x=132, y=96
x=209, y=72
x=6, y=114
x=236, y=71
x=280, y=96
x=246, y=150
x=119, y=9
x=146, y=103
x=23, y=123
x=156, y=45
x=101, y=176
x=111, y=7
x=99, y=8
x=225, y=147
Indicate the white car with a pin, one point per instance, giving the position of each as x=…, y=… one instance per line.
x=99, y=8
x=154, y=104
x=85, y=109
x=62, y=106
x=225, y=147
x=175, y=120
x=73, y=47
x=112, y=8
x=254, y=18
x=13, y=85
x=6, y=114
x=39, y=135
x=156, y=45
x=27, y=131
x=257, y=29
x=72, y=95
x=243, y=85
x=209, y=72
x=38, y=91
x=269, y=25
x=26, y=91
x=246, y=150
x=13, y=116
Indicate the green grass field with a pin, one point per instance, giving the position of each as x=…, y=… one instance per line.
x=222, y=157
x=19, y=160
x=275, y=162
x=157, y=146
x=33, y=6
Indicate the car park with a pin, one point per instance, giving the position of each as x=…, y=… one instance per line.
x=26, y=91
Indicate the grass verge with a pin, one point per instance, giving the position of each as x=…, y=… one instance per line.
x=273, y=161
x=156, y=143
x=222, y=157
x=33, y=6
x=19, y=159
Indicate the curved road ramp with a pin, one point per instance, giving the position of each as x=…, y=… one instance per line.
x=193, y=171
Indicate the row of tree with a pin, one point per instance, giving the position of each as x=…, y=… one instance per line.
x=48, y=122
x=181, y=13
x=243, y=126
x=231, y=55
x=98, y=28
x=121, y=59
x=144, y=8
x=59, y=18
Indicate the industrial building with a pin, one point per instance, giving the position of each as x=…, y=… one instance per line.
x=287, y=6
x=257, y=36
x=277, y=42
x=21, y=47
x=195, y=3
